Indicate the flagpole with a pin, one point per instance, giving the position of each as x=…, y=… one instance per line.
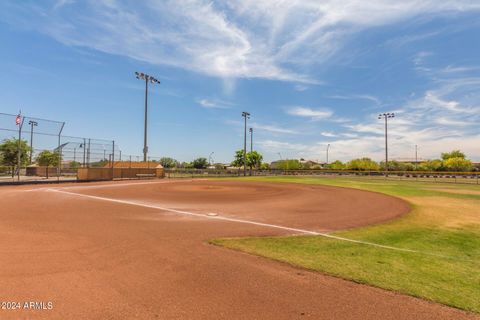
x=19, y=121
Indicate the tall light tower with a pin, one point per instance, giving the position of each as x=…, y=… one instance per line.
x=32, y=124
x=328, y=147
x=210, y=159
x=147, y=79
x=416, y=156
x=246, y=115
x=251, y=139
x=386, y=116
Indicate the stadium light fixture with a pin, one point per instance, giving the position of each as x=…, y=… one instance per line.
x=148, y=79
x=386, y=116
x=32, y=124
x=246, y=115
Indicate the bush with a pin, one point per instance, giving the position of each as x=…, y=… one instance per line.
x=457, y=164
x=362, y=164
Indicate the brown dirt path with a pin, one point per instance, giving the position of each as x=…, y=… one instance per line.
x=102, y=260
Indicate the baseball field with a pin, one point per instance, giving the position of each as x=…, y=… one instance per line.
x=312, y=248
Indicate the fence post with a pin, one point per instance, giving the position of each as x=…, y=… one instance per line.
x=19, y=149
x=113, y=157
x=88, y=154
x=59, y=168
x=84, y=151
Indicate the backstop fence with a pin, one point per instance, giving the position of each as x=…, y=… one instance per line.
x=35, y=149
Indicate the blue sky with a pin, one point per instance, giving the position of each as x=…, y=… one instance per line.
x=311, y=73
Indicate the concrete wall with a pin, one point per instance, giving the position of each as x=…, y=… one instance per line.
x=41, y=171
x=85, y=174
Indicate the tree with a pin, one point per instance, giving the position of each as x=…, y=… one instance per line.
x=336, y=165
x=238, y=162
x=453, y=154
x=47, y=158
x=431, y=165
x=75, y=164
x=292, y=164
x=200, y=163
x=185, y=165
x=362, y=164
x=457, y=164
x=254, y=159
x=9, y=153
x=168, y=162
x=219, y=166
x=394, y=165
x=264, y=166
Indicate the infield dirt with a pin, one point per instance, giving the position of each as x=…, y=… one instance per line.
x=97, y=259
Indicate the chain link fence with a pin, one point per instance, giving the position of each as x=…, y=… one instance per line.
x=34, y=149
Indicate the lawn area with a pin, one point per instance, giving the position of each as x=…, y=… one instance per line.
x=444, y=226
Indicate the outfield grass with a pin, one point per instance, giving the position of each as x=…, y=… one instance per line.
x=445, y=221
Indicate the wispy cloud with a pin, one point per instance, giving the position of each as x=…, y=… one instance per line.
x=265, y=128
x=214, y=104
x=314, y=114
x=61, y=3
x=300, y=87
x=237, y=39
x=273, y=128
x=328, y=134
x=357, y=97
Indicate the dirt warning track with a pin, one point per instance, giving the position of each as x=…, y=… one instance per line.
x=139, y=251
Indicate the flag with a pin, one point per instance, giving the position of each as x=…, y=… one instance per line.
x=18, y=119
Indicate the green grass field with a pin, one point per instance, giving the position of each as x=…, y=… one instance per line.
x=444, y=226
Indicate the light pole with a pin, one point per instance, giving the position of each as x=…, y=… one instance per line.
x=210, y=159
x=386, y=116
x=147, y=79
x=32, y=124
x=251, y=139
x=328, y=147
x=246, y=115
x=416, y=156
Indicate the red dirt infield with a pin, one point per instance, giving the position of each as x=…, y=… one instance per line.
x=138, y=250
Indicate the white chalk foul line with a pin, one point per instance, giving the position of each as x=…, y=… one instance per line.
x=268, y=225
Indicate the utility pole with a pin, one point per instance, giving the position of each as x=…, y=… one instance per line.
x=386, y=116
x=32, y=124
x=246, y=115
x=147, y=79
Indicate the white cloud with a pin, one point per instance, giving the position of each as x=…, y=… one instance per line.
x=357, y=96
x=213, y=104
x=234, y=39
x=316, y=114
x=273, y=128
x=328, y=134
x=61, y=3
x=300, y=87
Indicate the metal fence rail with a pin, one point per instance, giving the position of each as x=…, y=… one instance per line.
x=418, y=176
